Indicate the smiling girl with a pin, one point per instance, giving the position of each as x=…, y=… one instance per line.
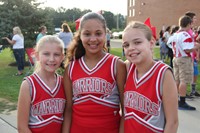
x=42, y=99
x=93, y=80
x=150, y=95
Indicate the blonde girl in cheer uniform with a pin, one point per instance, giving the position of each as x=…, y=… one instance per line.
x=42, y=99
x=150, y=95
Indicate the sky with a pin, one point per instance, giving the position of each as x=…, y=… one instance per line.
x=114, y=6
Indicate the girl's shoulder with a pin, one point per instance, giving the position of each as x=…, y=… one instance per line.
x=112, y=56
x=128, y=64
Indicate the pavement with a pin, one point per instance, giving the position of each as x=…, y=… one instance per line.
x=189, y=121
x=8, y=122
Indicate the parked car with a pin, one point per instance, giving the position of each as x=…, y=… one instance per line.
x=57, y=30
x=117, y=35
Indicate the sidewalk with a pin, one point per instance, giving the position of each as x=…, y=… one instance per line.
x=8, y=122
x=189, y=121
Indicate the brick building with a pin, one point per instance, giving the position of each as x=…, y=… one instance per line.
x=162, y=13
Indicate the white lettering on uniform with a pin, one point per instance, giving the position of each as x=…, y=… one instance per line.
x=49, y=106
x=140, y=102
x=92, y=85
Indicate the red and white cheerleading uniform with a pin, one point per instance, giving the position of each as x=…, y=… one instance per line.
x=47, y=106
x=143, y=100
x=180, y=42
x=95, y=96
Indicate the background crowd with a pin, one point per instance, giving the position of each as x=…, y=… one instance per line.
x=171, y=49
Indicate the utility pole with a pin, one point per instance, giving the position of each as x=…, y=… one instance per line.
x=118, y=21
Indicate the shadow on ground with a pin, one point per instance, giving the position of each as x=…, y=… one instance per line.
x=6, y=107
x=15, y=64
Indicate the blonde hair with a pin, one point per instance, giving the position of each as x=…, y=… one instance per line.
x=139, y=25
x=18, y=31
x=143, y=27
x=48, y=39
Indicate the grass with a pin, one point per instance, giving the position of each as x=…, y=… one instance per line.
x=10, y=84
x=116, y=51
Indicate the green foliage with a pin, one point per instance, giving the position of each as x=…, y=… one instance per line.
x=26, y=15
x=72, y=26
x=109, y=17
x=29, y=17
x=67, y=15
x=112, y=19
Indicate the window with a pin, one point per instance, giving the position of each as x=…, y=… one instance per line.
x=131, y=12
x=130, y=3
x=133, y=2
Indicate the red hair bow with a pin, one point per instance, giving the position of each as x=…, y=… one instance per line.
x=153, y=28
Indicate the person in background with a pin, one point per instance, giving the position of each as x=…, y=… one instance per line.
x=182, y=46
x=169, y=44
x=160, y=36
x=94, y=81
x=150, y=95
x=1, y=48
x=65, y=35
x=163, y=49
x=42, y=32
x=108, y=39
x=42, y=98
x=123, y=54
x=194, y=55
x=167, y=33
x=198, y=35
x=17, y=43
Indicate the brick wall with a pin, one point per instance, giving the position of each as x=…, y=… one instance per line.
x=163, y=12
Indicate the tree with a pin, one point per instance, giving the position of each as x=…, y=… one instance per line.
x=26, y=15
x=67, y=15
x=109, y=17
x=122, y=21
x=29, y=17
